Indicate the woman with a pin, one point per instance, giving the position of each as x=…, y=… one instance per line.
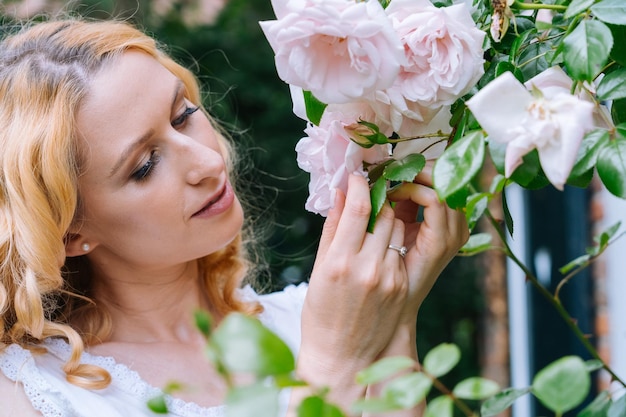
x=119, y=219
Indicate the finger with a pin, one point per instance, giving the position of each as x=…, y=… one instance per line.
x=330, y=225
x=378, y=241
x=352, y=225
x=425, y=176
x=397, y=240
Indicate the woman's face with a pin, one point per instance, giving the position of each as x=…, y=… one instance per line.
x=155, y=190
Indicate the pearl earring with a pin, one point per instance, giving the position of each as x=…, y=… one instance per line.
x=86, y=247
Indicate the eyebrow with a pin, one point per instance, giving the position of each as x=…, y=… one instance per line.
x=143, y=139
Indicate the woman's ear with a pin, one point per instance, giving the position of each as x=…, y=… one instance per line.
x=77, y=245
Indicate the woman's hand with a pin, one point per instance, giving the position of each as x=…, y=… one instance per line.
x=356, y=295
x=432, y=242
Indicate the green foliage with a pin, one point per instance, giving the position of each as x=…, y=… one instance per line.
x=563, y=384
x=440, y=360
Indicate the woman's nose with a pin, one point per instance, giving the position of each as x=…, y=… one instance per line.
x=201, y=161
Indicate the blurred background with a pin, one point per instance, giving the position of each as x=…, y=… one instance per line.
x=489, y=313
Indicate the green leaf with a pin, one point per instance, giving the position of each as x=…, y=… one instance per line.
x=577, y=6
x=588, y=152
x=475, y=208
x=497, y=184
x=441, y=359
x=256, y=400
x=508, y=219
x=580, y=181
x=618, y=52
x=599, y=407
x=383, y=369
x=477, y=243
x=378, y=195
x=243, y=344
x=458, y=199
x=534, y=59
x=405, y=169
x=563, y=384
x=157, y=405
x=613, y=86
x=618, y=408
x=314, y=108
x=476, y=388
x=618, y=111
x=456, y=167
x=607, y=234
x=501, y=401
x=587, y=49
x=204, y=322
x=439, y=407
x=407, y=390
x=316, y=406
x=504, y=66
x=610, y=11
x=611, y=166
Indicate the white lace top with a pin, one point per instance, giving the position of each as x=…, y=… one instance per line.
x=44, y=380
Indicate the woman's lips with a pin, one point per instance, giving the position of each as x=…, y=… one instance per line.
x=219, y=204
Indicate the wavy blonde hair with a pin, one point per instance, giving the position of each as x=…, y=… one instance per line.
x=45, y=71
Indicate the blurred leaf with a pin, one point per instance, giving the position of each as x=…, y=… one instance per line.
x=373, y=406
x=256, y=400
x=157, y=405
x=407, y=390
x=497, y=184
x=575, y=263
x=599, y=407
x=203, y=321
x=439, y=407
x=577, y=6
x=594, y=365
x=563, y=384
x=611, y=166
x=405, y=169
x=613, y=85
x=618, y=408
x=501, y=401
x=378, y=195
x=384, y=368
x=476, y=244
x=441, y=359
x=316, y=406
x=476, y=388
x=456, y=167
x=581, y=181
x=245, y=345
x=314, y=108
x=286, y=381
x=587, y=49
x=610, y=11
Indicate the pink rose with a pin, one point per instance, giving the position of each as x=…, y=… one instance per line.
x=330, y=156
x=339, y=50
x=443, y=48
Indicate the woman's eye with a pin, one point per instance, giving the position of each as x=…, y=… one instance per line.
x=180, y=120
x=146, y=169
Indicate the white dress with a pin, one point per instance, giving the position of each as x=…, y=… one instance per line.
x=44, y=380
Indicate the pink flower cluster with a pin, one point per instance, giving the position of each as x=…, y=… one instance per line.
x=400, y=68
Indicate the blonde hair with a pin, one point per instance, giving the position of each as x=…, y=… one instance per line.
x=44, y=73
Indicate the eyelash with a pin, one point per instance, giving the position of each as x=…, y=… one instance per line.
x=180, y=120
x=145, y=171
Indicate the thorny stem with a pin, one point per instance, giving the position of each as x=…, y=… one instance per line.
x=569, y=320
x=438, y=134
x=538, y=6
x=444, y=390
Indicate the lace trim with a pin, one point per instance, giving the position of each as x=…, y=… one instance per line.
x=130, y=382
x=19, y=365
